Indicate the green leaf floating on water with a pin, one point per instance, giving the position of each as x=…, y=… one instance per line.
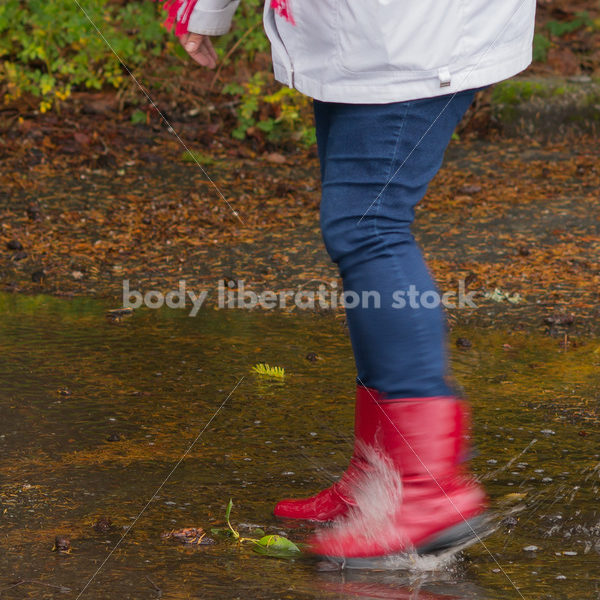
x=276, y=545
x=268, y=545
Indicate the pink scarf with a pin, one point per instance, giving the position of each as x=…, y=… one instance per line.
x=281, y=7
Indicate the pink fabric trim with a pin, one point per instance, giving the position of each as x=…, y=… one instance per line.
x=282, y=8
x=172, y=7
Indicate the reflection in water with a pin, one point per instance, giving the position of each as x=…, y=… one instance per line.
x=399, y=586
x=96, y=413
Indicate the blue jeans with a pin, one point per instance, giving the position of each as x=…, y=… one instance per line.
x=376, y=163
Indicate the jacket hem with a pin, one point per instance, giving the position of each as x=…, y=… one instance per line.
x=368, y=91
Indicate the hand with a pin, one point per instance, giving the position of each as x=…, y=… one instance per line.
x=200, y=48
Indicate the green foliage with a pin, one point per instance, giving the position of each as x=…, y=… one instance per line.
x=276, y=546
x=541, y=45
x=267, y=371
x=139, y=117
x=560, y=28
x=279, y=113
x=246, y=31
x=197, y=158
x=49, y=48
x=228, y=514
x=282, y=114
x=514, y=91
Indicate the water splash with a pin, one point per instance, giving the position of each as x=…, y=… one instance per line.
x=377, y=493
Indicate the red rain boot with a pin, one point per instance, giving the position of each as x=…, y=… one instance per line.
x=334, y=501
x=416, y=498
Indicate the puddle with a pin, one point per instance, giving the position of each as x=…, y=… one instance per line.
x=71, y=380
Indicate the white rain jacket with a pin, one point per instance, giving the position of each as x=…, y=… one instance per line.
x=379, y=51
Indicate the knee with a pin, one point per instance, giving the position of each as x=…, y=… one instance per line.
x=343, y=234
x=357, y=235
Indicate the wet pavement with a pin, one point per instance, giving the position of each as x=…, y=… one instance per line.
x=102, y=418
x=517, y=216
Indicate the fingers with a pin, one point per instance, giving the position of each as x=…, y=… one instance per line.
x=200, y=49
x=210, y=49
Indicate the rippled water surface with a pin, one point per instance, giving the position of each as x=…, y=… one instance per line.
x=71, y=380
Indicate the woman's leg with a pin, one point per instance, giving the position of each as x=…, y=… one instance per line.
x=409, y=491
x=377, y=161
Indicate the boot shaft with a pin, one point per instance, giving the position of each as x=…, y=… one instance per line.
x=423, y=437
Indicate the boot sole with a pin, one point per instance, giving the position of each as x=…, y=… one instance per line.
x=455, y=538
x=467, y=532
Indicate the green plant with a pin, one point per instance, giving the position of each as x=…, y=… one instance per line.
x=560, y=28
x=246, y=36
x=280, y=115
x=267, y=371
x=515, y=91
x=139, y=117
x=269, y=545
x=541, y=45
x=50, y=48
x=197, y=157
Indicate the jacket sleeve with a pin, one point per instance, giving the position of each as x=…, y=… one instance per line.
x=212, y=17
